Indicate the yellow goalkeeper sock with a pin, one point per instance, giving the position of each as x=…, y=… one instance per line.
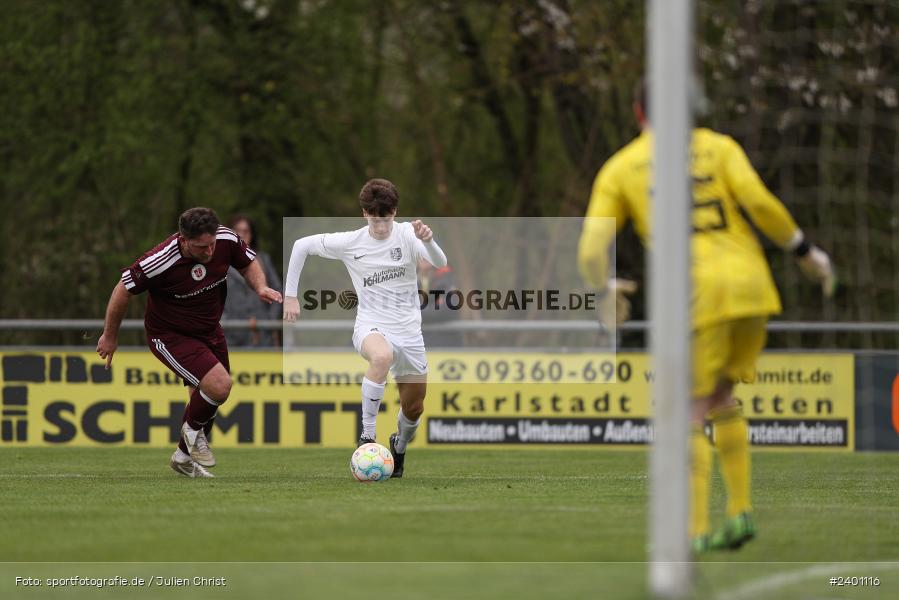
x=700, y=474
x=732, y=441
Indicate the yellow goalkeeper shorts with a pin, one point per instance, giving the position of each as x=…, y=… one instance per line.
x=726, y=351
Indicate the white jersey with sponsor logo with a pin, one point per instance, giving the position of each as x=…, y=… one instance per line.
x=383, y=273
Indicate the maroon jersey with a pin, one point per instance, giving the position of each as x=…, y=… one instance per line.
x=186, y=296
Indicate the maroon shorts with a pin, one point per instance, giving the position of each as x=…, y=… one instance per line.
x=190, y=357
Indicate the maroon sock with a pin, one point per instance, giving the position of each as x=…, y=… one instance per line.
x=199, y=411
x=207, y=428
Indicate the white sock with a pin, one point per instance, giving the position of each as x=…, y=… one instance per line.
x=372, y=394
x=180, y=456
x=406, y=429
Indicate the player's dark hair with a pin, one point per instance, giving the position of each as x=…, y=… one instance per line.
x=235, y=219
x=194, y=222
x=379, y=198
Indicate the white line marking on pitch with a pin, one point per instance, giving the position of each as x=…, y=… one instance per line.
x=758, y=587
x=44, y=476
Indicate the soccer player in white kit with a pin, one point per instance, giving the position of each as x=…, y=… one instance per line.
x=382, y=259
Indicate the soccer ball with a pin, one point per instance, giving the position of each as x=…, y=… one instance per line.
x=371, y=462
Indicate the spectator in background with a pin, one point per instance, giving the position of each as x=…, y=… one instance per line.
x=243, y=302
x=432, y=279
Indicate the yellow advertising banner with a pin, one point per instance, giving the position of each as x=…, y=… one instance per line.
x=484, y=398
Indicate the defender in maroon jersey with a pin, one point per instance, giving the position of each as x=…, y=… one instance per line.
x=185, y=276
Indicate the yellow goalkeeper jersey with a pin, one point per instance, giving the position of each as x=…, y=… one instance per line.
x=731, y=277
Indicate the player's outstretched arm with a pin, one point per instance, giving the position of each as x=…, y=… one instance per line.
x=255, y=277
x=604, y=216
x=302, y=248
x=432, y=252
x=115, y=312
x=773, y=219
x=326, y=245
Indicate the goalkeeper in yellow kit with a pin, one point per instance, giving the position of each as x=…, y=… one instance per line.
x=732, y=296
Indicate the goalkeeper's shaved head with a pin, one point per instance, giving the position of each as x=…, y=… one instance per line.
x=641, y=101
x=698, y=99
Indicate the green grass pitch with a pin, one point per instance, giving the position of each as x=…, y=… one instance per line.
x=466, y=523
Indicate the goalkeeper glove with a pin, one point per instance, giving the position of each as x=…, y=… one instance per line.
x=816, y=266
x=614, y=302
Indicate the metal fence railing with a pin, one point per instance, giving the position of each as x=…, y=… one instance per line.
x=461, y=326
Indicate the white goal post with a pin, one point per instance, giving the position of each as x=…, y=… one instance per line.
x=670, y=51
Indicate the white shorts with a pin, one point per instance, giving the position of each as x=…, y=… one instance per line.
x=408, y=350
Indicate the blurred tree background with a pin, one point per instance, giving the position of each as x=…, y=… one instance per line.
x=119, y=114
